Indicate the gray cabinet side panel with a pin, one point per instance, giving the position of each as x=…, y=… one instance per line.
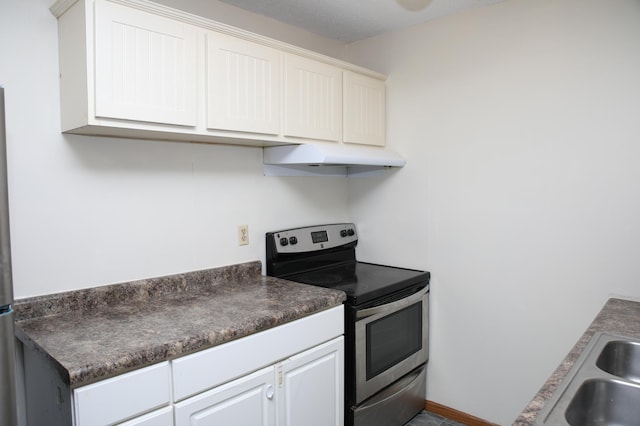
x=48, y=398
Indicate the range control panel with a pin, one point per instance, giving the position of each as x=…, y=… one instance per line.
x=314, y=238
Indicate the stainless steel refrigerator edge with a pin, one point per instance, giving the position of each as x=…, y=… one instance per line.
x=8, y=410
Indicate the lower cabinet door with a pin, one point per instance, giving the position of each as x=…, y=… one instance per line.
x=247, y=401
x=311, y=387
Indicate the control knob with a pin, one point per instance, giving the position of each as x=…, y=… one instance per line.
x=293, y=241
x=284, y=242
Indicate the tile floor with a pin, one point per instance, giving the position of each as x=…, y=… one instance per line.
x=429, y=419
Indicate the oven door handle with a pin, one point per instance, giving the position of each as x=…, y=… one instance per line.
x=392, y=306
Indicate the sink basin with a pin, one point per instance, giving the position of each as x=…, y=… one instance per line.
x=604, y=402
x=602, y=388
x=622, y=359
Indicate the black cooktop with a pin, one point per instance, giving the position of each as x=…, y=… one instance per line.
x=364, y=282
x=324, y=255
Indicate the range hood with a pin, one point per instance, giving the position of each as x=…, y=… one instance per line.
x=328, y=160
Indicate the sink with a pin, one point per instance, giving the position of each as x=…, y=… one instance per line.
x=621, y=358
x=602, y=388
x=604, y=402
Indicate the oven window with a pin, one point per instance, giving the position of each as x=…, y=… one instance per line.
x=393, y=338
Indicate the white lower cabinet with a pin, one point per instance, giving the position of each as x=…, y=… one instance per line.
x=289, y=375
x=304, y=390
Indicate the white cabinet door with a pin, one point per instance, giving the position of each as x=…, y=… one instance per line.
x=364, y=109
x=313, y=99
x=244, y=85
x=248, y=401
x=310, y=387
x=145, y=66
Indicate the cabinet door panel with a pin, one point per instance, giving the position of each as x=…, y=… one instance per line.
x=364, y=109
x=244, y=85
x=145, y=66
x=313, y=99
x=247, y=401
x=310, y=387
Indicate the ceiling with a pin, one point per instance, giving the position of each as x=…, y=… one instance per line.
x=352, y=20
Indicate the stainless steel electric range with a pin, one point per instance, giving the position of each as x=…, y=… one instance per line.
x=386, y=319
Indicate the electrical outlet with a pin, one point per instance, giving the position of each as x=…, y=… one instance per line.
x=243, y=235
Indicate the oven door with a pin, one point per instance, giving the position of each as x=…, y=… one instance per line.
x=392, y=339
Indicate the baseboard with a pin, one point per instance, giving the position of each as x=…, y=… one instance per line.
x=453, y=414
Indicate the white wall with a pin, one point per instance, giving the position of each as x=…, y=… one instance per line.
x=91, y=211
x=520, y=123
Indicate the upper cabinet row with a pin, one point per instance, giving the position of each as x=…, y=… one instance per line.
x=133, y=68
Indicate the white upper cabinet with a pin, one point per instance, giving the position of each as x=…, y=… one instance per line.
x=364, y=109
x=145, y=66
x=138, y=69
x=244, y=85
x=313, y=105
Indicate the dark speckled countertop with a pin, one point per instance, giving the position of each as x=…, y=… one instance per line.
x=101, y=332
x=618, y=316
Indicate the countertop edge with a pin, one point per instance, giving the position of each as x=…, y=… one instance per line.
x=618, y=316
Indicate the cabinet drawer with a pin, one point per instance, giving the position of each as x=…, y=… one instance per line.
x=204, y=370
x=122, y=397
x=161, y=417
